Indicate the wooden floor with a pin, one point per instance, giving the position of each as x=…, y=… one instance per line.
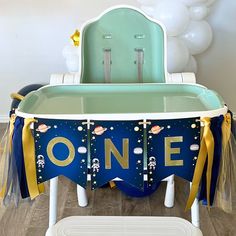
x=31, y=219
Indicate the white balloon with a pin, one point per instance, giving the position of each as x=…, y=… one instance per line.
x=177, y=55
x=148, y=10
x=190, y=3
x=191, y=65
x=193, y=2
x=147, y=2
x=72, y=63
x=209, y=2
x=71, y=54
x=198, y=12
x=173, y=14
x=198, y=37
x=70, y=50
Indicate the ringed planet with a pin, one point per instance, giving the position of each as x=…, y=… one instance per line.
x=99, y=130
x=43, y=128
x=156, y=129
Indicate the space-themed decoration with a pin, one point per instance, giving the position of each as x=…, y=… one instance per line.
x=172, y=148
x=121, y=149
x=75, y=37
x=116, y=149
x=61, y=149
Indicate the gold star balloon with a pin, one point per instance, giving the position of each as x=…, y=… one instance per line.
x=76, y=38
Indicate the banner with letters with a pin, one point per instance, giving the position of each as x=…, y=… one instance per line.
x=116, y=151
x=172, y=148
x=61, y=149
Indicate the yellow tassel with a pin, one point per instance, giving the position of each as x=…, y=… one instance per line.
x=17, y=96
x=206, y=153
x=11, y=130
x=41, y=188
x=112, y=184
x=226, y=131
x=29, y=158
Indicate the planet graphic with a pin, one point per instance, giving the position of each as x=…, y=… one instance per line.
x=82, y=150
x=99, y=130
x=156, y=129
x=43, y=128
x=138, y=151
x=194, y=147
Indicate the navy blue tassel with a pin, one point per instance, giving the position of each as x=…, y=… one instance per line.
x=17, y=150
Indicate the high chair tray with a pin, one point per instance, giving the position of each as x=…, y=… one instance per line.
x=125, y=226
x=100, y=99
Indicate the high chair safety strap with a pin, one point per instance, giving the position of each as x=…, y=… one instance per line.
x=107, y=65
x=139, y=62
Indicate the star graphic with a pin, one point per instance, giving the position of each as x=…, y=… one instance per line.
x=76, y=38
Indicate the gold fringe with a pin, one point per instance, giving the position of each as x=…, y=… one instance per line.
x=29, y=158
x=206, y=153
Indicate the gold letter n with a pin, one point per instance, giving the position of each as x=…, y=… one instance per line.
x=110, y=148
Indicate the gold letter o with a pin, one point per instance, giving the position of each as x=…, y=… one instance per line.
x=51, y=156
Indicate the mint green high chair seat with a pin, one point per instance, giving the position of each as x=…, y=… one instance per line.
x=123, y=46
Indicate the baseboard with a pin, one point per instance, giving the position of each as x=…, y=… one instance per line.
x=4, y=118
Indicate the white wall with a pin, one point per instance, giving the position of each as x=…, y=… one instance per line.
x=33, y=34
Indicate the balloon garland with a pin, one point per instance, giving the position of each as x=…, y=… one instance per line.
x=188, y=32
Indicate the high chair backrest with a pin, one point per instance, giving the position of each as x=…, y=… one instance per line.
x=123, y=46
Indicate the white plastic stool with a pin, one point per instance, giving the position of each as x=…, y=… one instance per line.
x=122, y=226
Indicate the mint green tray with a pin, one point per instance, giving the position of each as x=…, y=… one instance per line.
x=122, y=98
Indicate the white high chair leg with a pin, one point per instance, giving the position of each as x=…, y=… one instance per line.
x=53, y=201
x=195, y=212
x=170, y=192
x=82, y=196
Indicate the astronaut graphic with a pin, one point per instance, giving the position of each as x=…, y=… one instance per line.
x=40, y=161
x=95, y=165
x=152, y=163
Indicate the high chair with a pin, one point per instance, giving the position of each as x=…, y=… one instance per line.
x=123, y=45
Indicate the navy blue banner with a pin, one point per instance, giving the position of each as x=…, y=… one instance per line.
x=116, y=151
x=61, y=149
x=172, y=148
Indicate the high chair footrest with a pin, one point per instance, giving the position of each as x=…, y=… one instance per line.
x=122, y=225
